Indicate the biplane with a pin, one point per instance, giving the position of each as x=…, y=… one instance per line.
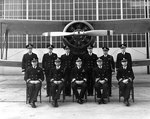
x=76, y=34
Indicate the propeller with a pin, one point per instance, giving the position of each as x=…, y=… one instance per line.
x=98, y=32
x=89, y=33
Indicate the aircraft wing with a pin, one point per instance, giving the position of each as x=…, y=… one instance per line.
x=35, y=27
x=7, y=63
x=123, y=26
x=39, y=26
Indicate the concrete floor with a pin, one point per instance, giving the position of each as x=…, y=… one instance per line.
x=13, y=106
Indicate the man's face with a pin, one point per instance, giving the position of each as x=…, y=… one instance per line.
x=50, y=50
x=105, y=52
x=67, y=51
x=90, y=50
x=30, y=50
x=34, y=64
x=78, y=63
x=57, y=63
x=124, y=63
x=123, y=49
x=99, y=63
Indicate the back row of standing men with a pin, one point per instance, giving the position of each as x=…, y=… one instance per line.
x=68, y=62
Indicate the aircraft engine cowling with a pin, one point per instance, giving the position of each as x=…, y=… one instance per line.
x=78, y=43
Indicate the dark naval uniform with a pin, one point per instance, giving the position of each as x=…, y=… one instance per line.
x=89, y=62
x=67, y=63
x=26, y=60
x=122, y=74
x=109, y=66
x=79, y=74
x=47, y=65
x=33, y=74
x=57, y=75
x=122, y=56
x=99, y=73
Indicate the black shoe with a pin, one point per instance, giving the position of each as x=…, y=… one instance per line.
x=81, y=101
x=100, y=102
x=56, y=103
x=33, y=105
x=103, y=101
x=78, y=100
x=127, y=103
x=53, y=103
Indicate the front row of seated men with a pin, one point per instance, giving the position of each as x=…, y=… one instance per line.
x=34, y=77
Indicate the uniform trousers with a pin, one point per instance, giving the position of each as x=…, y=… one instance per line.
x=48, y=84
x=125, y=89
x=83, y=87
x=56, y=90
x=110, y=82
x=67, y=78
x=90, y=81
x=98, y=87
x=33, y=90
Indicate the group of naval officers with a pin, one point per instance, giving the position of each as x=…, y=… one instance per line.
x=68, y=72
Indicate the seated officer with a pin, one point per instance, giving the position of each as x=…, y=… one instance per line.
x=57, y=82
x=79, y=80
x=101, y=79
x=34, y=77
x=125, y=77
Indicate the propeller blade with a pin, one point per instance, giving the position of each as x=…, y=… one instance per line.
x=58, y=33
x=98, y=32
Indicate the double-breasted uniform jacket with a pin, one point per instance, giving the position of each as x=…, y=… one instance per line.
x=26, y=60
x=89, y=61
x=108, y=63
x=125, y=73
x=100, y=73
x=34, y=74
x=48, y=62
x=57, y=74
x=120, y=57
x=67, y=61
x=78, y=74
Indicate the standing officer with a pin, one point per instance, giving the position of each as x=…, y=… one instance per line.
x=101, y=79
x=26, y=60
x=125, y=77
x=57, y=82
x=67, y=63
x=47, y=65
x=34, y=77
x=122, y=55
x=79, y=79
x=89, y=62
x=109, y=66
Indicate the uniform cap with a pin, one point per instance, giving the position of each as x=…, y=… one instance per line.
x=34, y=60
x=29, y=46
x=124, y=60
x=99, y=60
x=90, y=47
x=57, y=60
x=66, y=47
x=123, y=45
x=50, y=46
x=78, y=60
x=105, y=48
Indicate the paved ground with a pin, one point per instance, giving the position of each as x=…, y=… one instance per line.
x=12, y=101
